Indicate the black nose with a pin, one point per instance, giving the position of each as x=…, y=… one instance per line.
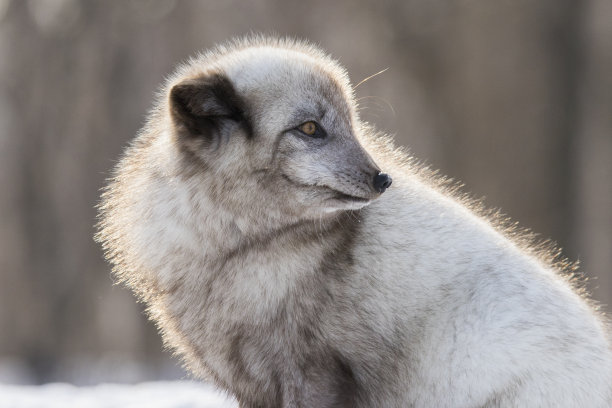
x=382, y=182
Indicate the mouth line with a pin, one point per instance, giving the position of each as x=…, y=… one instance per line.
x=347, y=197
x=339, y=195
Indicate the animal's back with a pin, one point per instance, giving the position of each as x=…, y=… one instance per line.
x=495, y=324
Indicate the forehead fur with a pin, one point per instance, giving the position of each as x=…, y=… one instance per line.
x=259, y=60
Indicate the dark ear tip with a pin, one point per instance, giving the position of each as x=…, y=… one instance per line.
x=177, y=92
x=177, y=98
x=210, y=95
x=184, y=98
x=200, y=105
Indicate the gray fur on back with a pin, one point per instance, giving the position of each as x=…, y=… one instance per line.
x=274, y=265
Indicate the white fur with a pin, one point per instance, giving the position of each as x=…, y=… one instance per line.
x=438, y=306
x=495, y=315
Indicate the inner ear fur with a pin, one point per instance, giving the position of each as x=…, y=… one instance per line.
x=199, y=106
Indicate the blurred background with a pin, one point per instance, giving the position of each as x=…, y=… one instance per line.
x=511, y=97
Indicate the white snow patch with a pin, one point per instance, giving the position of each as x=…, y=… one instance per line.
x=170, y=394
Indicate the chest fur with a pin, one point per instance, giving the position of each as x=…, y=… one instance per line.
x=261, y=319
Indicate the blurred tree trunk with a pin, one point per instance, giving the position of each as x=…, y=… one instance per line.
x=592, y=148
x=74, y=101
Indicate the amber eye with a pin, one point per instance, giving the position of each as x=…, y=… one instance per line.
x=309, y=128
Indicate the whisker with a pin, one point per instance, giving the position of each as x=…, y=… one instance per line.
x=386, y=102
x=370, y=77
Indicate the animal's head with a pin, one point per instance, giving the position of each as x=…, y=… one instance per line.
x=272, y=127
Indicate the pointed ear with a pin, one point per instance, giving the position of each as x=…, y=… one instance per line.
x=201, y=106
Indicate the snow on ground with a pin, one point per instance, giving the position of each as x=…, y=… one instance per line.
x=170, y=394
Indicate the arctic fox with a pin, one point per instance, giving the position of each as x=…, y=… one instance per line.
x=250, y=214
